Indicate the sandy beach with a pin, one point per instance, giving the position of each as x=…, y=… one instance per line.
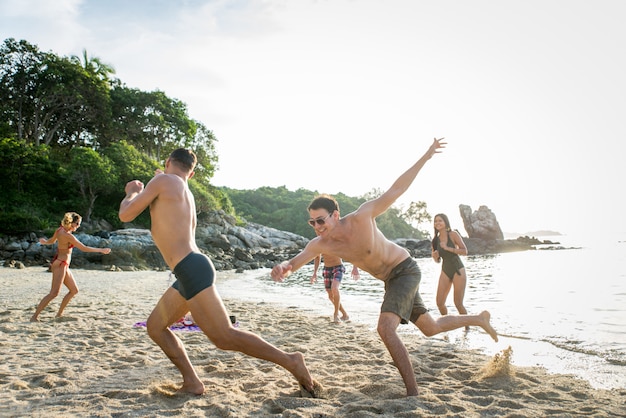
x=93, y=362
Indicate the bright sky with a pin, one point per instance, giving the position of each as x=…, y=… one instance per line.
x=344, y=95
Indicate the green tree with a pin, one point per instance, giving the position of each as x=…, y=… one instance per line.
x=21, y=65
x=75, y=104
x=130, y=163
x=94, y=65
x=417, y=215
x=28, y=179
x=50, y=99
x=94, y=174
x=203, y=144
x=151, y=121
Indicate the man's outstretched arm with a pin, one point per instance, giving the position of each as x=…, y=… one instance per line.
x=383, y=202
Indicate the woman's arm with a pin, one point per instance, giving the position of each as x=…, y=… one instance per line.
x=435, y=255
x=86, y=249
x=50, y=241
x=459, y=245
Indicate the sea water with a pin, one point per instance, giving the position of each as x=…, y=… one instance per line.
x=562, y=309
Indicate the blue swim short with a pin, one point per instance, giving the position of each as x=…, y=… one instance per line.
x=194, y=273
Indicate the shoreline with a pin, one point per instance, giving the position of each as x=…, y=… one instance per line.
x=527, y=352
x=92, y=359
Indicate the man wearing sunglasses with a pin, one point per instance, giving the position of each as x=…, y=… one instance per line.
x=357, y=239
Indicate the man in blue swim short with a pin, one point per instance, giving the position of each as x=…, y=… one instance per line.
x=173, y=214
x=357, y=239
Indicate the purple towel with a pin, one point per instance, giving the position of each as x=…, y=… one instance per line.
x=179, y=326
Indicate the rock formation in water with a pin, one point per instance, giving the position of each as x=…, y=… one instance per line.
x=481, y=224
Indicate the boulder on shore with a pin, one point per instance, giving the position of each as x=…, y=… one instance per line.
x=230, y=246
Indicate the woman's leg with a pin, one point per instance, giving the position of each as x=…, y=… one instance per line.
x=58, y=273
x=443, y=289
x=70, y=283
x=460, y=281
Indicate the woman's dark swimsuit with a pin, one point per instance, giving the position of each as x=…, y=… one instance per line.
x=194, y=273
x=452, y=263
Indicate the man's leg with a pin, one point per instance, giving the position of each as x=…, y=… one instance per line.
x=171, y=307
x=337, y=295
x=331, y=298
x=211, y=316
x=336, y=299
x=430, y=326
x=387, y=325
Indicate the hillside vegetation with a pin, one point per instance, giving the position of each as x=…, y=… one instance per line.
x=72, y=135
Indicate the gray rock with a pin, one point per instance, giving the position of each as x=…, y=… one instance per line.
x=481, y=224
x=230, y=246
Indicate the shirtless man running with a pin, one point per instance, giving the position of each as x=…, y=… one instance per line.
x=356, y=238
x=173, y=214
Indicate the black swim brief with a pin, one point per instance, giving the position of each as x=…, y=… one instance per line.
x=194, y=273
x=402, y=295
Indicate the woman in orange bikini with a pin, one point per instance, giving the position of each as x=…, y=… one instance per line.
x=60, y=266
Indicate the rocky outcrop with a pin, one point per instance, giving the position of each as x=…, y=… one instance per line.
x=230, y=246
x=417, y=248
x=481, y=224
x=477, y=246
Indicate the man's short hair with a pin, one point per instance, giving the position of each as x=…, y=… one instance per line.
x=324, y=201
x=184, y=158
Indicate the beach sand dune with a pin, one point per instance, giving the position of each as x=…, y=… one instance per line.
x=93, y=362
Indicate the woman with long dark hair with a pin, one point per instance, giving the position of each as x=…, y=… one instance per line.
x=447, y=245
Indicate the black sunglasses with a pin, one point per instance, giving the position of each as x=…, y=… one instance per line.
x=320, y=221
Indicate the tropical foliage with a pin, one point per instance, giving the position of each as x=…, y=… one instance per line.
x=72, y=136
x=286, y=210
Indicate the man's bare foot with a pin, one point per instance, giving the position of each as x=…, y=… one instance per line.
x=34, y=319
x=486, y=325
x=194, y=388
x=345, y=318
x=301, y=373
x=316, y=392
x=336, y=319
